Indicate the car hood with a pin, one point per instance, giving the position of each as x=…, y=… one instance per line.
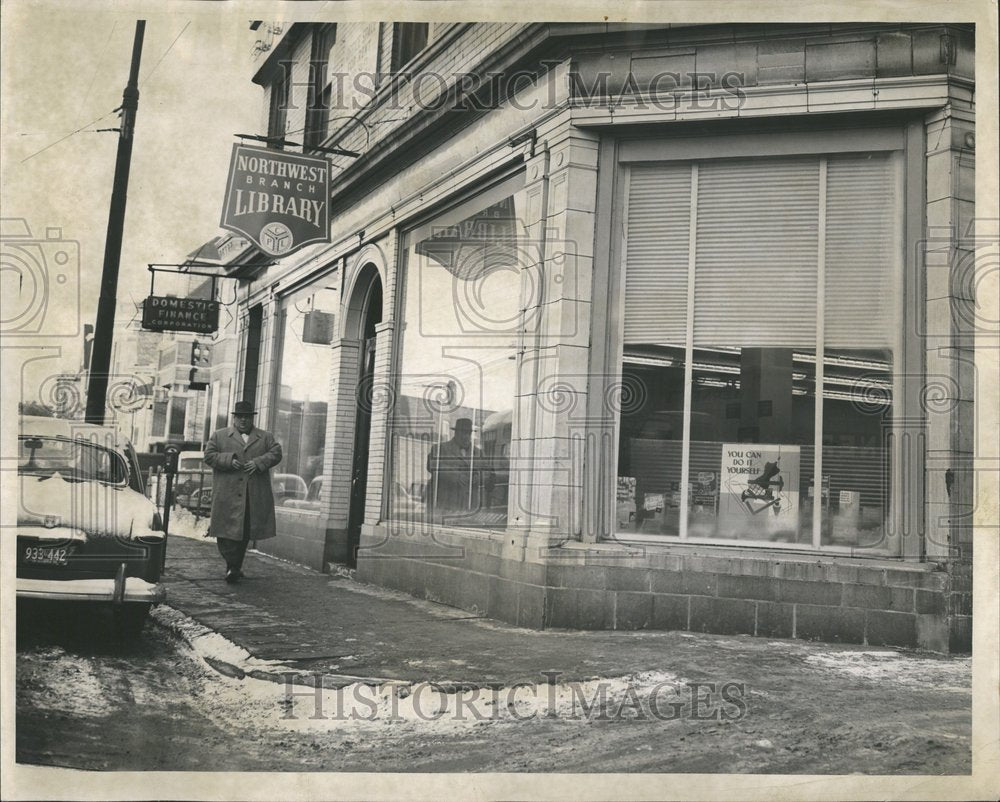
x=98, y=509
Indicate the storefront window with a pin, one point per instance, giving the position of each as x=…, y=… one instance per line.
x=861, y=324
x=651, y=442
x=307, y=327
x=452, y=424
x=749, y=285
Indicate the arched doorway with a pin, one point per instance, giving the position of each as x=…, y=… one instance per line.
x=365, y=315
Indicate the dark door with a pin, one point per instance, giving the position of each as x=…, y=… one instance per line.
x=363, y=422
x=251, y=365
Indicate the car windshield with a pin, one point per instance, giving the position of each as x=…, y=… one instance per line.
x=73, y=460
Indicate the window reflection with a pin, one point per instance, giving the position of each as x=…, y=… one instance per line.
x=857, y=421
x=307, y=320
x=649, y=455
x=452, y=425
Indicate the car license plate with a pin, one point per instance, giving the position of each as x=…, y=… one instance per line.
x=40, y=555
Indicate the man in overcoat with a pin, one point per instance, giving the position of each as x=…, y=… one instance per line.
x=241, y=457
x=461, y=477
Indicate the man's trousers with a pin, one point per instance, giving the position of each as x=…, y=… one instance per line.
x=233, y=551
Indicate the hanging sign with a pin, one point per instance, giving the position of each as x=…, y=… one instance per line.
x=280, y=201
x=161, y=313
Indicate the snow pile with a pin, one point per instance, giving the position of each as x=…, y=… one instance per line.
x=185, y=524
x=298, y=701
x=359, y=707
x=939, y=674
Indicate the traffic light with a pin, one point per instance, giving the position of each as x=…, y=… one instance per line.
x=201, y=364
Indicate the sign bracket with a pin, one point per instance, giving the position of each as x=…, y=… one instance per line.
x=164, y=267
x=282, y=142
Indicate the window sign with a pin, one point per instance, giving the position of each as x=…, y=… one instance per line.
x=760, y=499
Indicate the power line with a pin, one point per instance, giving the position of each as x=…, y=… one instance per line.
x=169, y=48
x=97, y=69
x=71, y=133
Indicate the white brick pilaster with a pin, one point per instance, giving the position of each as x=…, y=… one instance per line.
x=554, y=362
x=340, y=423
x=383, y=391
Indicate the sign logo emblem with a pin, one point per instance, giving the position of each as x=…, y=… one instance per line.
x=279, y=201
x=276, y=237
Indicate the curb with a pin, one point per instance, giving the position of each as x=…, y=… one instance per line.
x=235, y=662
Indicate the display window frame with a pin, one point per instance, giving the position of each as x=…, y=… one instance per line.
x=329, y=278
x=468, y=199
x=906, y=142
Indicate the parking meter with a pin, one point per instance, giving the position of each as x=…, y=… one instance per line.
x=170, y=463
x=171, y=457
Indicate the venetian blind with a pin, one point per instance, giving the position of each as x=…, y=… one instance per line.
x=756, y=253
x=861, y=244
x=656, y=262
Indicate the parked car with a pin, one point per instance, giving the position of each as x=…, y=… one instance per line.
x=200, y=502
x=314, y=495
x=193, y=476
x=85, y=530
x=408, y=503
x=288, y=486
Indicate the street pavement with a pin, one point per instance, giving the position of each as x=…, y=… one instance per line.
x=219, y=676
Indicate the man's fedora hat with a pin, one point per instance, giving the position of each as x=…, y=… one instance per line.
x=463, y=425
x=243, y=408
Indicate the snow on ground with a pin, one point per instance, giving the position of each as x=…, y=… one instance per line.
x=184, y=524
x=312, y=704
x=53, y=679
x=208, y=644
x=263, y=705
x=941, y=674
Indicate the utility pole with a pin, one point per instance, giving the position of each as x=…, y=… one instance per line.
x=100, y=363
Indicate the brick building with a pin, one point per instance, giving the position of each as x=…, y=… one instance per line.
x=694, y=295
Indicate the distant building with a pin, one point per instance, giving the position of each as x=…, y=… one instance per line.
x=181, y=382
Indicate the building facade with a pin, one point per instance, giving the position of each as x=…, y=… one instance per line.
x=658, y=326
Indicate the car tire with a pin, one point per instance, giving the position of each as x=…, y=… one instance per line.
x=130, y=619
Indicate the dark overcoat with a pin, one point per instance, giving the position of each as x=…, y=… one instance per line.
x=231, y=487
x=452, y=472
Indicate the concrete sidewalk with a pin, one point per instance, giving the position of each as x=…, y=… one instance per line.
x=318, y=623
x=335, y=625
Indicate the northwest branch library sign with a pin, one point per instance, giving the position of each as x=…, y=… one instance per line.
x=280, y=201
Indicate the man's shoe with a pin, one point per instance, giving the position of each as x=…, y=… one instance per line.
x=232, y=576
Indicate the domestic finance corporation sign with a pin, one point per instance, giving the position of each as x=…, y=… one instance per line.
x=278, y=200
x=164, y=313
